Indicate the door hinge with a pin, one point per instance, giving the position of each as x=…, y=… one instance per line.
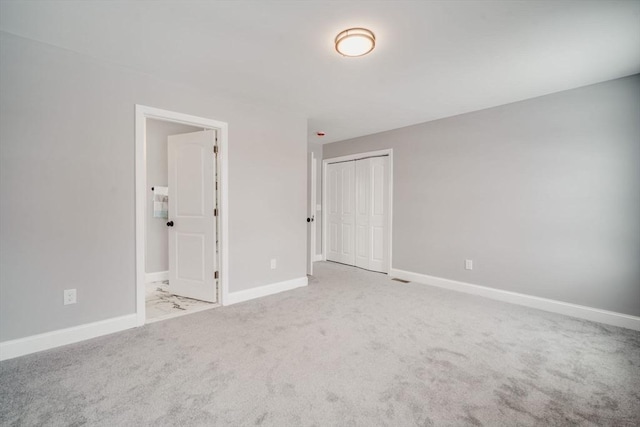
x=215, y=212
x=215, y=275
x=215, y=149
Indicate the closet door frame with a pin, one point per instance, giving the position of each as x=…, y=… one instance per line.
x=387, y=152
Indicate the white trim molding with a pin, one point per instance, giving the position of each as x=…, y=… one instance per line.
x=554, y=306
x=263, y=291
x=158, y=276
x=142, y=113
x=318, y=257
x=48, y=340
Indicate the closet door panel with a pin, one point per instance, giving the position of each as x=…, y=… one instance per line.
x=334, y=212
x=379, y=214
x=333, y=238
x=363, y=204
x=377, y=247
x=348, y=217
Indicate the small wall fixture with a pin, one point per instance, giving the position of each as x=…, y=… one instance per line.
x=355, y=42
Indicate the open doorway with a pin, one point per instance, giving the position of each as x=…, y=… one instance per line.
x=180, y=214
x=170, y=148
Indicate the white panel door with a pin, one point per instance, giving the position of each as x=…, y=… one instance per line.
x=363, y=213
x=192, y=230
x=341, y=212
x=372, y=213
x=334, y=227
x=379, y=214
x=348, y=213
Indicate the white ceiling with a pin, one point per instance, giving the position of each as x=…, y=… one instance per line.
x=433, y=59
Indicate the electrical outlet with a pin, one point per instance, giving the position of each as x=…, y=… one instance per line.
x=468, y=264
x=273, y=264
x=69, y=296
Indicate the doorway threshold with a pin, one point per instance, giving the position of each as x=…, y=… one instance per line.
x=182, y=313
x=161, y=304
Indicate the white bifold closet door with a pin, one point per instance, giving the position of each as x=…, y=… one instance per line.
x=358, y=212
x=341, y=214
x=372, y=194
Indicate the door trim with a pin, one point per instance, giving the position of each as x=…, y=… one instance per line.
x=357, y=156
x=142, y=113
x=312, y=207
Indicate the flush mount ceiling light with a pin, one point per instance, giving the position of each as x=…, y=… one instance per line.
x=355, y=42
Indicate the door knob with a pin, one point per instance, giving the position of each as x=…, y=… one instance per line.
x=170, y=224
x=308, y=219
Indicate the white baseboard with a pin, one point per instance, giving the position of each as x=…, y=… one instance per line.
x=568, y=309
x=318, y=257
x=158, y=276
x=263, y=291
x=48, y=340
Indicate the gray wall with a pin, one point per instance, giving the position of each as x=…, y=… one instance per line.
x=542, y=194
x=316, y=149
x=67, y=213
x=157, y=238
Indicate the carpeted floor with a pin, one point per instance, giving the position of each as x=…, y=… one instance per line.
x=352, y=349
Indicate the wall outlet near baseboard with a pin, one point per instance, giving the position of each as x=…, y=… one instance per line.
x=69, y=296
x=273, y=264
x=468, y=264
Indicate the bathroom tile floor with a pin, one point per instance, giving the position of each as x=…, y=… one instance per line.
x=162, y=304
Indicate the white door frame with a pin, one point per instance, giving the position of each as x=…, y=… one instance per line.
x=325, y=162
x=312, y=202
x=142, y=113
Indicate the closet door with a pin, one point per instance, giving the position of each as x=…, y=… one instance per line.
x=341, y=212
x=363, y=212
x=379, y=214
x=372, y=213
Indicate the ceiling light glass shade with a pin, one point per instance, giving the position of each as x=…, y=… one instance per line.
x=355, y=42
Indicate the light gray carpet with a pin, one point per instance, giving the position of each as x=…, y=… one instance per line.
x=352, y=349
